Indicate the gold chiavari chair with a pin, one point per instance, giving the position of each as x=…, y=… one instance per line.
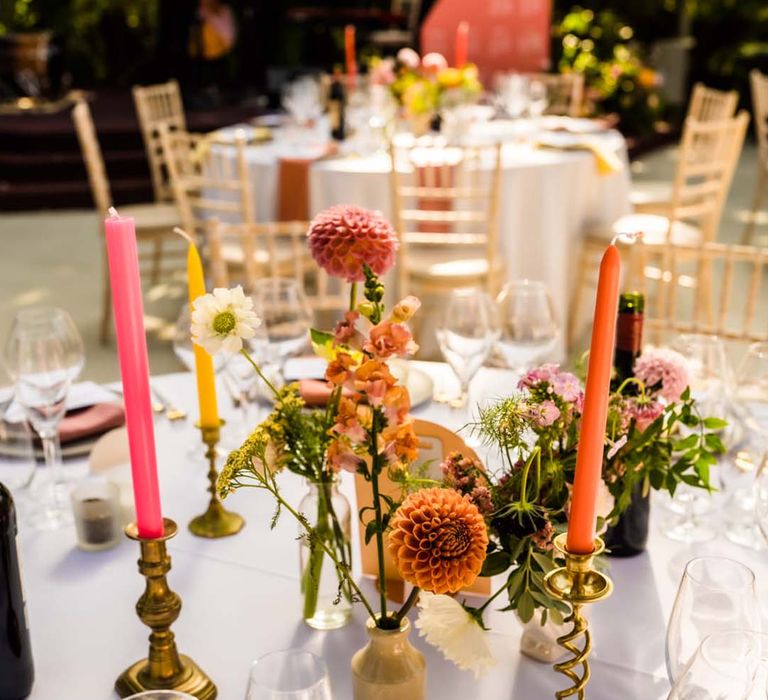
x=709, y=153
x=565, y=92
x=731, y=304
x=209, y=177
x=759, y=83
x=154, y=220
x=706, y=105
x=158, y=105
x=445, y=208
x=245, y=253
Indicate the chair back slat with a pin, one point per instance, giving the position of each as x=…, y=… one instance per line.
x=708, y=104
x=156, y=106
x=244, y=253
x=210, y=178
x=708, y=288
x=759, y=84
x=92, y=155
x=445, y=198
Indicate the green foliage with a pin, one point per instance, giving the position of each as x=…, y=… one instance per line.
x=601, y=46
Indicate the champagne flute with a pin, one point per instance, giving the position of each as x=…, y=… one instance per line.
x=529, y=328
x=44, y=354
x=286, y=316
x=538, y=98
x=715, y=594
x=466, y=335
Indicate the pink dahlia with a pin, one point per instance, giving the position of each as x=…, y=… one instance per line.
x=664, y=372
x=344, y=238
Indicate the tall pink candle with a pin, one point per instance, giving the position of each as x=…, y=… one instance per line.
x=461, y=50
x=134, y=369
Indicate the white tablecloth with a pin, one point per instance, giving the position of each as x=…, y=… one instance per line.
x=548, y=200
x=241, y=595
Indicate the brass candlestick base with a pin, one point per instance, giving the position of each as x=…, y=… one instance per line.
x=158, y=608
x=217, y=521
x=577, y=583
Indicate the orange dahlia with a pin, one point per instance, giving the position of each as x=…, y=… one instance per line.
x=344, y=238
x=438, y=540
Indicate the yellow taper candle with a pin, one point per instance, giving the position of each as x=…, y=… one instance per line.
x=206, y=382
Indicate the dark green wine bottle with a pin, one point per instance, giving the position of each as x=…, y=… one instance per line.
x=629, y=338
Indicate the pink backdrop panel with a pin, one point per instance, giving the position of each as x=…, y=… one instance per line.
x=504, y=35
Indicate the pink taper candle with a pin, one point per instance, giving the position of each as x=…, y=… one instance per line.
x=589, y=458
x=461, y=50
x=134, y=369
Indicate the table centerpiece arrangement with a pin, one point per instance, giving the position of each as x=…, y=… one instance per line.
x=436, y=536
x=655, y=439
x=425, y=85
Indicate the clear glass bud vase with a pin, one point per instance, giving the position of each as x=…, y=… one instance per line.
x=327, y=597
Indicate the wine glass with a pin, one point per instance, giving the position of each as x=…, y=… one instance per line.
x=286, y=316
x=715, y=594
x=538, y=98
x=689, y=512
x=292, y=674
x=7, y=389
x=44, y=354
x=740, y=466
x=466, y=335
x=529, y=328
x=723, y=668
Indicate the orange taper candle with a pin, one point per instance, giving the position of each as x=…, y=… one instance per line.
x=461, y=50
x=589, y=458
x=349, y=55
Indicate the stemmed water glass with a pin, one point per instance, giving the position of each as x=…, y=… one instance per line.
x=286, y=317
x=538, y=98
x=689, y=512
x=529, y=329
x=292, y=674
x=44, y=354
x=466, y=335
x=715, y=594
x=724, y=667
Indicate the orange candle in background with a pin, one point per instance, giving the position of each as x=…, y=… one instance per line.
x=349, y=55
x=589, y=458
x=461, y=50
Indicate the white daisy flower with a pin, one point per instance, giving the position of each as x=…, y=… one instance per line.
x=222, y=320
x=445, y=624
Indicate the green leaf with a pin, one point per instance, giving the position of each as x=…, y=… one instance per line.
x=514, y=583
x=686, y=443
x=545, y=562
x=541, y=598
x=370, y=531
x=715, y=423
x=320, y=338
x=495, y=564
x=525, y=606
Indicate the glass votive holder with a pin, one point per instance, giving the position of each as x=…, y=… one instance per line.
x=96, y=506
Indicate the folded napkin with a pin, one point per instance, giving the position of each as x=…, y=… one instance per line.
x=90, y=421
x=606, y=160
x=293, y=186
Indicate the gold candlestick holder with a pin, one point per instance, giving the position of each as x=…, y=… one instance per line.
x=577, y=583
x=217, y=521
x=158, y=608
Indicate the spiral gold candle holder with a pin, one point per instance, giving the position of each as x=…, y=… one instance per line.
x=217, y=521
x=577, y=583
x=164, y=668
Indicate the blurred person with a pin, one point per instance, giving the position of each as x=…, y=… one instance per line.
x=212, y=46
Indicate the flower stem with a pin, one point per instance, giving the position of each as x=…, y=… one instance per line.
x=482, y=608
x=245, y=354
x=352, y=296
x=379, y=537
x=409, y=603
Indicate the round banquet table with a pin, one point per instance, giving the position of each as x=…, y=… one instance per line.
x=241, y=594
x=548, y=199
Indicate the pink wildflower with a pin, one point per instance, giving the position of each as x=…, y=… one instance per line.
x=481, y=497
x=664, y=372
x=346, y=333
x=409, y=58
x=645, y=412
x=387, y=339
x=543, y=537
x=544, y=414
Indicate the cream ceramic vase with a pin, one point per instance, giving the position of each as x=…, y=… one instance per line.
x=389, y=667
x=540, y=641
